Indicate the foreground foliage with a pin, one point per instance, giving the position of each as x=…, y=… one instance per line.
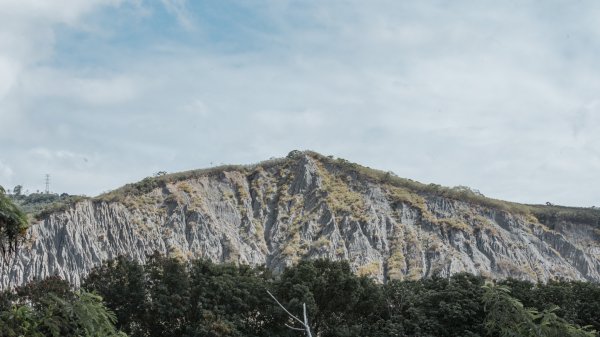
x=167, y=297
x=13, y=225
x=51, y=308
x=507, y=315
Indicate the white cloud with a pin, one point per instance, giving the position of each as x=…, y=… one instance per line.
x=27, y=26
x=27, y=39
x=179, y=9
x=500, y=97
x=197, y=107
x=8, y=75
x=6, y=172
x=63, y=11
x=288, y=120
x=96, y=90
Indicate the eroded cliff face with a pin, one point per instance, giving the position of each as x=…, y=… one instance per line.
x=306, y=208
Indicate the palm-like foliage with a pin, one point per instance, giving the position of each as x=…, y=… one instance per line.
x=82, y=315
x=87, y=316
x=19, y=321
x=13, y=225
x=509, y=318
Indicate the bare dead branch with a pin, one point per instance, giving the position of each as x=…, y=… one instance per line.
x=284, y=309
x=293, y=327
x=306, y=321
x=304, y=324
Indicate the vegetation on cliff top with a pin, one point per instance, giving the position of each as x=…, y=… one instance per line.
x=548, y=214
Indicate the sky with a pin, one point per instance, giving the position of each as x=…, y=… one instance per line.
x=501, y=96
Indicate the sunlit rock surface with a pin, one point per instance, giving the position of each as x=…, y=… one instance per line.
x=305, y=207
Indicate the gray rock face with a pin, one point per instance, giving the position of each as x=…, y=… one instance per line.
x=306, y=208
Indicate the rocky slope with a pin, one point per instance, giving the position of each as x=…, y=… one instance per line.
x=310, y=206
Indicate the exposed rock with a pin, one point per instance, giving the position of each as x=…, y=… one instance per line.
x=305, y=207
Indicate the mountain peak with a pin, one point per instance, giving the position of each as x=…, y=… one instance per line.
x=306, y=206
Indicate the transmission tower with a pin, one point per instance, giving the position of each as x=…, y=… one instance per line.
x=47, y=184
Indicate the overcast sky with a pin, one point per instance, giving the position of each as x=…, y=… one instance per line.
x=501, y=96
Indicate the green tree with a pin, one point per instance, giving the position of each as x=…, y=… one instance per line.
x=91, y=317
x=17, y=190
x=435, y=307
x=168, y=297
x=13, y=226
x=122, y=284
x=578, y=301
x=339, y=303
x=33, y=313
x=507, y=316
x=229, y=300
x=19, y=321
x=168, y=294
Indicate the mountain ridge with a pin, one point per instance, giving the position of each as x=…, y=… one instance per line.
x=548, y=210
x=311, y=206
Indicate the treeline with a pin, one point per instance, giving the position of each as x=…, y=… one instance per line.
x=40, y=205
x=166, y=297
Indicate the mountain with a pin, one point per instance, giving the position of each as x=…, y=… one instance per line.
x=309, y=206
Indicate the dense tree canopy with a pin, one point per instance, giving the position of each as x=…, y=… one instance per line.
x=168, y=297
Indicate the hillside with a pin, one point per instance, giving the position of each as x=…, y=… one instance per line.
x=307, y=206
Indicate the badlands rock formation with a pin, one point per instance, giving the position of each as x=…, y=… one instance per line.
x=308, y=206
